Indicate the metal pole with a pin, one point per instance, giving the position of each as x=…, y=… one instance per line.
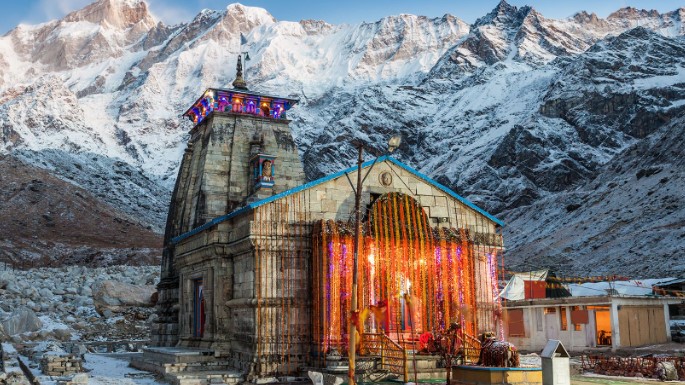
x=357, y=225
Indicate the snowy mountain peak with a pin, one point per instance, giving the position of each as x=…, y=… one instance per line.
x=314, y=27
x=121, y=14
x=503, y=14
x=252, y=15
x=633, y=13
x=583, y=17
x=513, y=109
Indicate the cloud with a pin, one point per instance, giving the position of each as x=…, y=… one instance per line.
x=45, y=10
x=169, y=14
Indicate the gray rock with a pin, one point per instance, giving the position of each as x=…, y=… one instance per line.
x=16, y=378
x=5, y=279
x=117, y=296
x=62, y=334
x=666, y=371
x=86, y=291
x=30, y=292
x=20, y=321
x=13, y=288
x=45, y=293
x=80, y=378
x=79, y=349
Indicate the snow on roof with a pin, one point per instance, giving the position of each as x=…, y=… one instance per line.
x=633, y=287
x=671, y=282
x=514, y=290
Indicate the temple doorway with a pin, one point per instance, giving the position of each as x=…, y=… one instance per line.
x=198, y=308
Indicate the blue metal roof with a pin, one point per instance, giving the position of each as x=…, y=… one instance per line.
x=327, y=178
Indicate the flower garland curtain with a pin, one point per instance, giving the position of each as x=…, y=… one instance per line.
x=426, y=276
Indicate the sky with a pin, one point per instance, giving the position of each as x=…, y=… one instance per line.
x=335, y=12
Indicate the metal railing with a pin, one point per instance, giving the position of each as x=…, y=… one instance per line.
x=393, y=356
x=630, y=366
x=471, y=349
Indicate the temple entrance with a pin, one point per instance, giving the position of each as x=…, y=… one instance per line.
x=198, y=308
x=413, y=278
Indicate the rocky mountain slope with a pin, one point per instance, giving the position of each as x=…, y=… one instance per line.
x=514, y=111
x=631, y=214
x=46, y=221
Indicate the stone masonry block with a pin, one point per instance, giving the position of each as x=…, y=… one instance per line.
x=424, y=189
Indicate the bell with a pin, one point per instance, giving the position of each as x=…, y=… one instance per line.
x=247, y=56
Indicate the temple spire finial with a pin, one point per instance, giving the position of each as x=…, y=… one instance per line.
x=239, y=82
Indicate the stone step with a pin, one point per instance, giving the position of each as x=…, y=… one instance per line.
x=197, y=367
x=205, y=377
x=428, y=374
x=423, y=362
x=178, y=355
x=163, y=368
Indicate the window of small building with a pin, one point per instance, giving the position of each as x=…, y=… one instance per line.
x=562, y=318
x=516, y=325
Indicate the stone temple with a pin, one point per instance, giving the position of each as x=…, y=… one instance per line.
x=257, y=265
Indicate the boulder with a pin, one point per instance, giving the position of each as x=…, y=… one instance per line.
x=86, y=291
x=80, y=378
x=666, y=371
x=62, y=334
x=20, y=321
x=16, y=378
x=117, y=296
x=5, y=279
x=45, y=293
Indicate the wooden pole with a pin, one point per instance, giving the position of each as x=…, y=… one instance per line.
x=357, y=231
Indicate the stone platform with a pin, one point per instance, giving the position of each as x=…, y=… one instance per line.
x=187, y=366
x=482, y=375
x=370, y=370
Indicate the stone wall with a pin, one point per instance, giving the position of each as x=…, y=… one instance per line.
x=213, y=179
x=217, y=178
x=60, y=364
x=261, y=274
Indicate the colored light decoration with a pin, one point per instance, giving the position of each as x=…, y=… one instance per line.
x=492, y=268
x=401, y=254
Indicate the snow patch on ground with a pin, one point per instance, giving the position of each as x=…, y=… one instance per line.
x=113, y=369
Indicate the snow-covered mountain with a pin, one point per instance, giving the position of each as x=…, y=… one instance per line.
x=512, y=111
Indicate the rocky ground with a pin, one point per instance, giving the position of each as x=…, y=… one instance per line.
x=77, y=303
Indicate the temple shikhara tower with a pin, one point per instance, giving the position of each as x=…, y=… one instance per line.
x=257, y=266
